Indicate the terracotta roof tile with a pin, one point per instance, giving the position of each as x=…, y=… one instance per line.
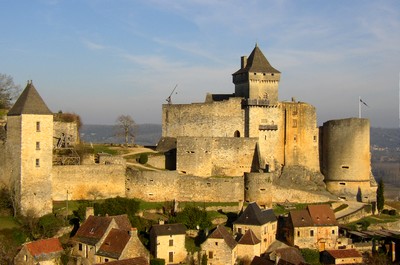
x=261, y=261
x=344, y=253
x=322, y=214
x=114, y=243
x=290, y=255
x=300, y=218
x=221, y=233
x=29, y=102
x=249, y=238
x=44, y=247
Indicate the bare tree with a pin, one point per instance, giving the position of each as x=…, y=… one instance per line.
x=8, y=91
x=126, y=127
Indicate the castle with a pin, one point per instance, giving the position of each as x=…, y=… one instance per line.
x=244, y=146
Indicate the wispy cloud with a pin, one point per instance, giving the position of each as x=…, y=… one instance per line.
x=92, y=45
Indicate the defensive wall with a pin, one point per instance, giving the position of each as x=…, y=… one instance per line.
x=216, y=156
x=203, y=119
x=169, y=185
x=86, y=181
x=69, y=130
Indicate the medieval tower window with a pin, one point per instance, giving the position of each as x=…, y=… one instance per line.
x=37, y=162
x=37, y=145
x=294, y=123
x=236, y=134
x=38, y=126
x=171, y=242
x=311, y=232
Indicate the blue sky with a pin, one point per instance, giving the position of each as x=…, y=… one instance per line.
x=104, y=58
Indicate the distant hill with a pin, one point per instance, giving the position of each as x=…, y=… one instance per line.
x=146, y=134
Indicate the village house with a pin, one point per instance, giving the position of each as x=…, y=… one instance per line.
x=92, y=233
x=341, y=256
x=220, y=247
x=263, y=223
x=314, y=227
x=248, y=246
x=132, y=261
x=120, y=245
x=44, y=251
x=167, y=241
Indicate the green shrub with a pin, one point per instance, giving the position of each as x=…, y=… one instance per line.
x=193, y=216
x=385, y=211
x=143, y=159
x=311, y=256
x=157, y=262
x=392, y=212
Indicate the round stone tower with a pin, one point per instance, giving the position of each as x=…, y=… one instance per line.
x=346, y=159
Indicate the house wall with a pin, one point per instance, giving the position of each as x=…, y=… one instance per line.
x=134, y=248
x=222, y=254
x=248, y=251
x=266, y=233
x=82, y=181
x=322, y=239
x=163, y=248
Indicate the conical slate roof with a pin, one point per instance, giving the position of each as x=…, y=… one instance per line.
x=257, y=63
x=29, y=102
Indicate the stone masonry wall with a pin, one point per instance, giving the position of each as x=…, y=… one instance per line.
x=220, y=156
x=69, y=129
x=83, y=181
x=169, y=185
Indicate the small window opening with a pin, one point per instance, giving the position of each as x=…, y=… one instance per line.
x=37, y=162
x=38, y=126
x=342, y=183
x=236, y=134
x=311, y=232
x=37, y=145
x=346, y=167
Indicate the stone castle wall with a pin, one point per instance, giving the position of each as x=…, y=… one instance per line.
x=87, y=181
x=220, y=156
x=203, y=119
x=169, y=185
x=69, y=129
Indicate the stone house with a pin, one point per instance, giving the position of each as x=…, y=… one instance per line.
x=220, y=247
x=120, y=245
x=314, y=227
x=167, y=241
x=341, y=256
x=92, y=234
x=263, y=223
x=132, y=261
x=44, y=251
x=248, y=246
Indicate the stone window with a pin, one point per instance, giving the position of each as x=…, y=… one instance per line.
x=171, y=242
x=216, y=243
x=80, y=247
x=342, y=183
x=311, y=232
x=298, y=233
x=38, y=126
x=37, y=162
x=333, y=231
x=25, y=257
x=345, y=167
x=210, y=254
x=171, y=257
x=314, y=138
x=37, y=145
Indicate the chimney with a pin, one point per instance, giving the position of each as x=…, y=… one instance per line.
x=133, y=231
x=89, y=212
x=161, y=222
x=243, y=62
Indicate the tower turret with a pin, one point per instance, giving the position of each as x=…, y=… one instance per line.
x=257, y=79
x=30, y=145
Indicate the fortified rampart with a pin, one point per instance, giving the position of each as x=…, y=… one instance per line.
x=66, y=131
x=169, y=185
x=85, y=182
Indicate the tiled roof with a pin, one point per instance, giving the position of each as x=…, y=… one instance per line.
x=249, y=238
x=221, y=233
x=29, y=102
x=290, y=255
x=114, y=243
x=257, y=63
x=44, y=247
x=132, y=261
x=344, y=253
x=93, y=229
x=253, y=215
x=322, y=214
x=169, y=229
x=261, y=261
x=300, y=218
